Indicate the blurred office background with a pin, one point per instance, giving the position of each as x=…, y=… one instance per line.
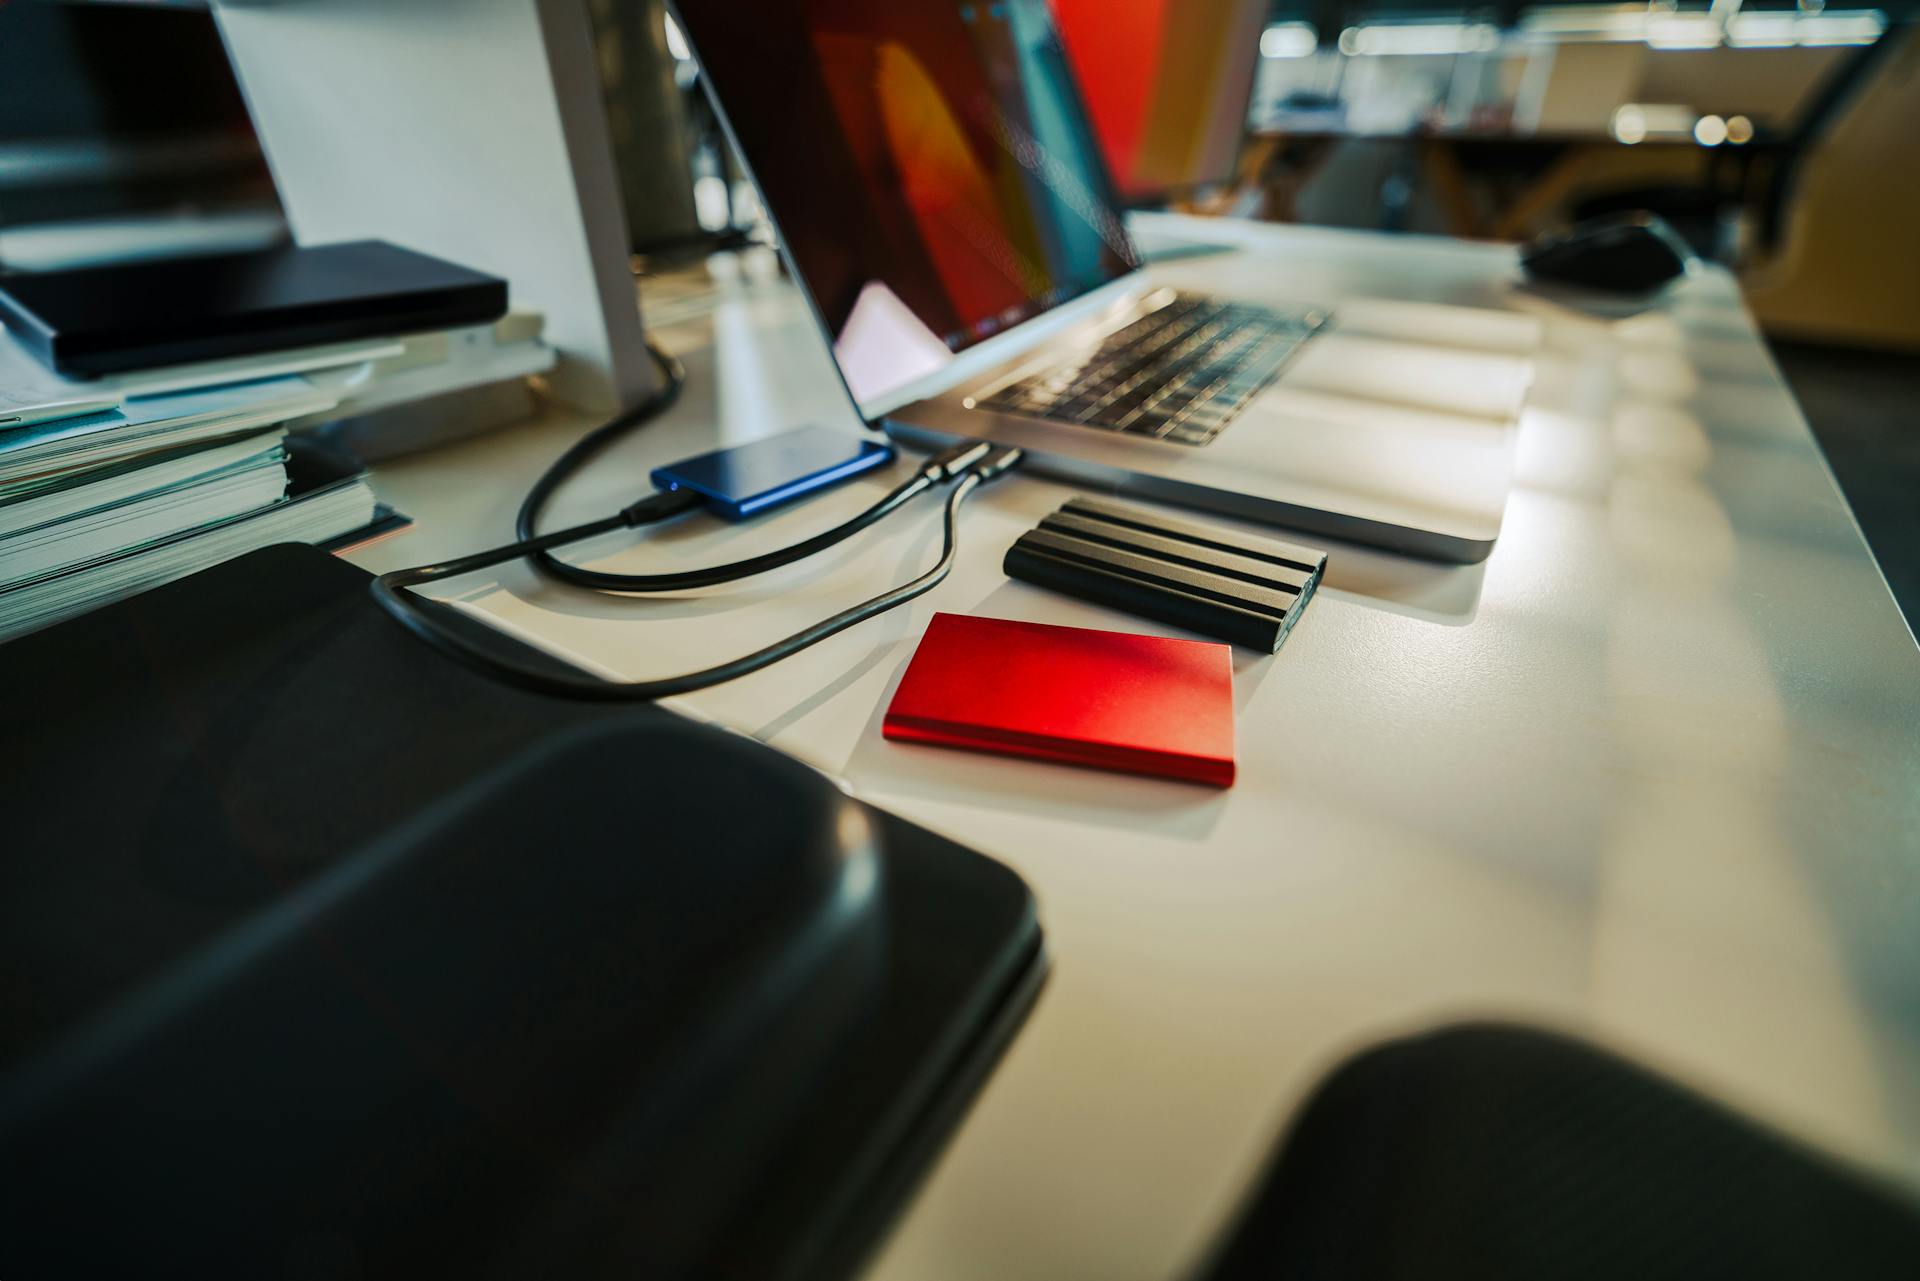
x=1778, y=136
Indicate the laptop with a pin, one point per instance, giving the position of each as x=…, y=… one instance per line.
x=940, y=198
x=1168, y=86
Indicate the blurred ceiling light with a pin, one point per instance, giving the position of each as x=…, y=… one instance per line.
x=1665, y=27
x=1638, y=121
x=1809, y=28
x=1587, y=23
x=1683, y=31
x=710, y=205
x=1739, y=130
x=1709, y=131
x=1380, y=38
x=1288, y=40
x=677, y=41
x=1763, y=30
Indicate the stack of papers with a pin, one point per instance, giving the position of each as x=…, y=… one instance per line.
x=40, y=500
x=327, y=501
x=112, y=487
x=89, y=519
x=144, y=425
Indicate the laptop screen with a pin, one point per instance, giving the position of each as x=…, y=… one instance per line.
x=1168, y=85
x=928, y=163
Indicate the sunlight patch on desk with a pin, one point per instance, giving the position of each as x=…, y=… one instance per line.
x=1561, y=453
x=1659, y=375
x=1660, y=436
x=1671, y=530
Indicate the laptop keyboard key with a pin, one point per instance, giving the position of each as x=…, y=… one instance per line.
x=1181, y=372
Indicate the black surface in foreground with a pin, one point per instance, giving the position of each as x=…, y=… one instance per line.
x=295, y=969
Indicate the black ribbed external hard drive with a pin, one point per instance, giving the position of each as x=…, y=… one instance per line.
x=89, y=321
x=1218, y=582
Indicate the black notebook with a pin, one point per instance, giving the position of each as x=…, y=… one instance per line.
x=88, y=321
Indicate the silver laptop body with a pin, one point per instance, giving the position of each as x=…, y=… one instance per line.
x=1343, y=420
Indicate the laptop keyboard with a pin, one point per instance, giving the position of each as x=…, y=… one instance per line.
x=1179, y=373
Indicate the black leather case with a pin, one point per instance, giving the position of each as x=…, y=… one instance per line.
x=321, y=955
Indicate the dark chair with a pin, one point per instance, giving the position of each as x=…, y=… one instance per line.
x=1495, y=1153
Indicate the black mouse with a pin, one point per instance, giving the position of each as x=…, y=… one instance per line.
x=1627, y=253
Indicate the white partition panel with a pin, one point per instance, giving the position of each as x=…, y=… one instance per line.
x=470, y=129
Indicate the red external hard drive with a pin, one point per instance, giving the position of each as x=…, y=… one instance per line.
x=1138, y=704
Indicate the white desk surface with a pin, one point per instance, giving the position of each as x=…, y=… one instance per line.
x=1652, y=773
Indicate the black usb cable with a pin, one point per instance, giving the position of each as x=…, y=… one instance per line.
x=966, y=466
x=979, y=464
x=940, y=469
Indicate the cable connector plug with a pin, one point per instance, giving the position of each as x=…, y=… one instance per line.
x=999, y=463
x=951, y=463
x=661, y=505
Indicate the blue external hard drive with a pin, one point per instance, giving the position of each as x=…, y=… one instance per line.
x=750, y=479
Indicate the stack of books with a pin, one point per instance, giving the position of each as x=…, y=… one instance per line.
x=109, y=489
